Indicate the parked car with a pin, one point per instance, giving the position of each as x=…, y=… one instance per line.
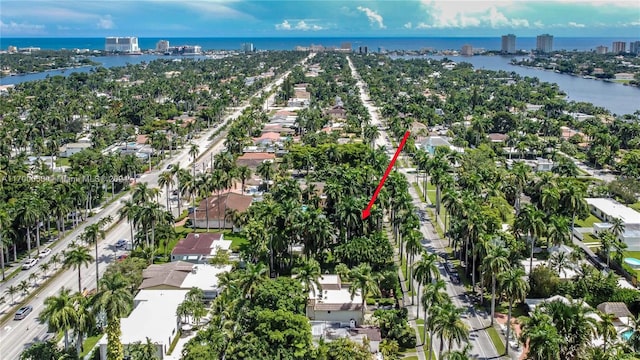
x=44, y=252
x=121, y=243
x=169, y=166
x=29, y=263
x=122, y=257
x=23, y=312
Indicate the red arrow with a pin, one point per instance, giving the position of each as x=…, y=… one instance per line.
x=367, y=211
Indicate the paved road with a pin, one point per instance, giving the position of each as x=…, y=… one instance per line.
x=22, y=333
x=482, y=346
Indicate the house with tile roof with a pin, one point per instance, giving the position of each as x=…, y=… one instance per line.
x=199, y=247
x=214, y=208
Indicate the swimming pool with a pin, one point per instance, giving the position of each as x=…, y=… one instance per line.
x=627, y=335
x=633, y=262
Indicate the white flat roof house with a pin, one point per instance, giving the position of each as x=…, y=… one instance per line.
x=334, y=304
x=180, y=275
x=153, y=317
x=69, y=149
x=608, y=209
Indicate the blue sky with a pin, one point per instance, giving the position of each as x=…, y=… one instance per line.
x=311, y=18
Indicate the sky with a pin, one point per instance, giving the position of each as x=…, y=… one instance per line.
x=318, y=18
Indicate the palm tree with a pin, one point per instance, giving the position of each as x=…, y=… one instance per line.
x=92, y=235
x=143, y=351
x=561, y=262
x=425, y=271
x=495, y=262
x=449, y=326
x=166, y=179
x=308, y=274
x=129, y=210
x=115, y=300
x=266, y=170
x=12, y=290
x=462, y=354
x=253, y=276
x=60, y=313
x=244, y=173
x=363, y=281
x=77, y=257
x=607, y=330
x=541, y=336
x=515, y=288
x=413, y=245
x=530, y=222
x=84, y=320
x=433, y=295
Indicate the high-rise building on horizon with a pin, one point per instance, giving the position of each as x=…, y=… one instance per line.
x=619, y=47
x=544, y=43
x=602, y=49
x=345, y=46
x=247, y=47
x=634, y=47
x=508, y=44
x=162, y=46
x=363, y=50
x=467, y=50
x=121, y=44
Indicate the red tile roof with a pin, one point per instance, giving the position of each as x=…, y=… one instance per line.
x=196, y=244
x=228, y=200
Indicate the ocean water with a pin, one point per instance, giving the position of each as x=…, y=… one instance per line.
x=282, y=43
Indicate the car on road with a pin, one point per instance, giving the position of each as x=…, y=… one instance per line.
x=23, y=312
x=29, y=263
x=169, y=166
x=455, y=278
x=449, y=266
x=122, y=257
x=121, y=243
x=44, y=252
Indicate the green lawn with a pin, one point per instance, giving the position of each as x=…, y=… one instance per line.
x=588, y=222
x=496, y=340
x=412, y=357
x=635, y=206
x=419, y=191
x=633, y=254
x=89, y=344
x=590, y=239
x=62, y=161
x=517, y=311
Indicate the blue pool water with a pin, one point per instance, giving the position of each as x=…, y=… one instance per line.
x=632, y=261
x=627, y=334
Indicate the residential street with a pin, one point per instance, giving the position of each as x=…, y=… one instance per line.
x=17, y=335
x=482, y=346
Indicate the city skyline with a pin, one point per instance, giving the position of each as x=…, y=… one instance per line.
x=230, y=18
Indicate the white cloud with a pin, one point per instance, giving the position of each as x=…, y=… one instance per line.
x=374, y=17
x=575, y=24
x=471, y=13
x=105, y=22
x=13, y=27
x=302, y=25
x=538, y=24
x=408, y=25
